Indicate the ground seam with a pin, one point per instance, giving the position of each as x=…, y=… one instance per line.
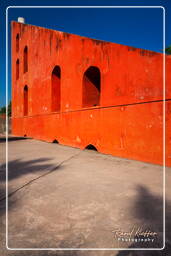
x=37, y=178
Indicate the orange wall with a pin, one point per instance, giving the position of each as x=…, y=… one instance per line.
x=129, y=120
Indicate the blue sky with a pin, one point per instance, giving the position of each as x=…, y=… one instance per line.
x=142, y=27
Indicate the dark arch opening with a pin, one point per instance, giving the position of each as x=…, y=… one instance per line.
x=55, y=141
x=25, y=135
x=55, y=89
x=91, y=147
x=17, y=42
x=25, y=59
x=91, y=87
x=17, y=69
x=25, y=100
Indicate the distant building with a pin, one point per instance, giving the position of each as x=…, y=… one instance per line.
x=81, y=92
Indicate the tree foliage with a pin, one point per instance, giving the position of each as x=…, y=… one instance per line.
x=3, y=109
x=168, y=50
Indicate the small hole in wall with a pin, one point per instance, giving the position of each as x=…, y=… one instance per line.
x=17, y=42
x=55, y=89
x=17, y=69
x=25, y=100
x=55, y=141
x=25, y=135
x=91, y=147
x=91, y=87
x=25, y=59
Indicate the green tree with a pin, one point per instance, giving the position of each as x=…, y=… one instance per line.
x=3, y=109
x=9, y=108
x=168, y=50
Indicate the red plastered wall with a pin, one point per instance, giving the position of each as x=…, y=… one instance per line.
x=128, y=121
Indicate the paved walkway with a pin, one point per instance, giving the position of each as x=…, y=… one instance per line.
x=62, y=197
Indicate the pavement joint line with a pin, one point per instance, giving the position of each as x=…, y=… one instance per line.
x=40, y=176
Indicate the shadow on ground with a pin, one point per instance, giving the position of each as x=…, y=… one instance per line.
x=12, y=138
x=148, y=208
x=18, y=168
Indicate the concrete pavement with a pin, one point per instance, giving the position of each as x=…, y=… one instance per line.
x=62, y=197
